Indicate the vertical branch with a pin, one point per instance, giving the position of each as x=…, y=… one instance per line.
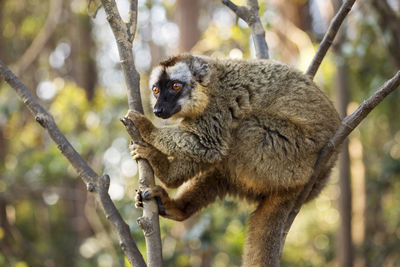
x=344, y=243
x=124, y=34
x=94, y=183
x=329, y=37
x=250, y=15
x=345, y=248
x=132, y=24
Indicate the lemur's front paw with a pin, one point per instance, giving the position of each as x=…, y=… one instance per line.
x=140, y=151
x=156, y=192
x=143, y=124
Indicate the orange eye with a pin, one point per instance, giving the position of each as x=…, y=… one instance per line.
x=155, y=90
x=177, y=86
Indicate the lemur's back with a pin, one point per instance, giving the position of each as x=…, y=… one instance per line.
x=283, y=120
x=269, y=88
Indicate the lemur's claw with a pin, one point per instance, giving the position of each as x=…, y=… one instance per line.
x=139, y=199
x=149, y=194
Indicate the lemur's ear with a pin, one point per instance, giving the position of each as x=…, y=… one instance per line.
x=201, y=71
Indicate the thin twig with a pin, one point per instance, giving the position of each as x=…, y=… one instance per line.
x=149, y=222
x=41, y=39
x=348, y=124
x=132, y=24
x=94, y=183
x=329, y=37
x=250, y=15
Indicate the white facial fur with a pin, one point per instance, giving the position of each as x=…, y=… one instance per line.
x=179, y=72
x=155, y=76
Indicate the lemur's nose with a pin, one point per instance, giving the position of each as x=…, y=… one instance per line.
x=158, y=111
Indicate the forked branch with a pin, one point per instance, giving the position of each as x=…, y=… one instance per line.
x=250, y=15
x=97, y=184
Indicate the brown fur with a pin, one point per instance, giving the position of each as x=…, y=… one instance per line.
x=257, y=135
x=195, y=107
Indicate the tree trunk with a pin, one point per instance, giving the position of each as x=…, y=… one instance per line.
x=188, y=15
x=373, y=222
x=344, y=245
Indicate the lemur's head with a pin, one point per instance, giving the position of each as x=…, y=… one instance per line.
x=178, y=84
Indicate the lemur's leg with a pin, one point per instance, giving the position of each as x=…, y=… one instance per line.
x=197, y=193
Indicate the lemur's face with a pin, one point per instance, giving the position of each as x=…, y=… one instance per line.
x=171, y=86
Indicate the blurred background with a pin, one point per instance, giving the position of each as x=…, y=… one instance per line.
x=70, y=61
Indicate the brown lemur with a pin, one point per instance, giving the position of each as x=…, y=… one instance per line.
x=249, y=128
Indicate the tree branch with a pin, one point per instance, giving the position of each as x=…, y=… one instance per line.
x=124, y=34
x=132, y=24
x=329, y=37
x=41, y=39
x=250, y=15
x=94, y=183
x=347, y=125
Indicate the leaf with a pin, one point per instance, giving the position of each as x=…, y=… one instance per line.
x=93, y=7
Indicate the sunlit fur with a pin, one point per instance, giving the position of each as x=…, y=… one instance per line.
x=250, y=128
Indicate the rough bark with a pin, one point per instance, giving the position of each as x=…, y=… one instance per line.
x=97, y=184
x=124, y=34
